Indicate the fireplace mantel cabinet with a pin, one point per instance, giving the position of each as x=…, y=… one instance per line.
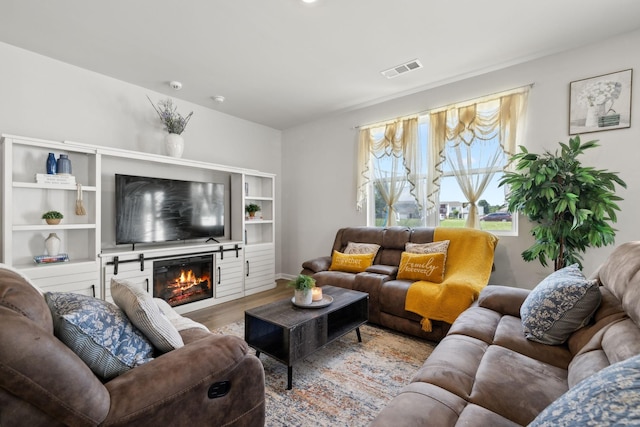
x=245, y=266
x=225, y=281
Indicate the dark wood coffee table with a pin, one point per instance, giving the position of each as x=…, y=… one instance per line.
x=289, y=333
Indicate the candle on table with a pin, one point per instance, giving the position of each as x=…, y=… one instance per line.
x=316, y=294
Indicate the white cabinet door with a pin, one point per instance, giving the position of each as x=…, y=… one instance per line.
x=259, y=269
x=228, y=273
x=131, y=272
x=80, y=279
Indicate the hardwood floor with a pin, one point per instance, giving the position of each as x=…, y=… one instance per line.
x=233, y=311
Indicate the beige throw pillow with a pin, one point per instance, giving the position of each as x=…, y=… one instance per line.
x=180, y=322
x=427, y=248
x=361, y=248
x=145, y=315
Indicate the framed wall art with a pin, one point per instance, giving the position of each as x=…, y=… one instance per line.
x=600, y=103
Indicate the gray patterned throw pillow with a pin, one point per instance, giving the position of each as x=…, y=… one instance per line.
x=99, y=333
x=610, y=397
x=560, y=305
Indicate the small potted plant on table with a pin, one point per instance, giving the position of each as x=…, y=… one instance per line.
x=52, y=217
x=303, y=285
x=251, y=209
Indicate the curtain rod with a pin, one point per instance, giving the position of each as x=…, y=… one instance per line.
x=459, y=103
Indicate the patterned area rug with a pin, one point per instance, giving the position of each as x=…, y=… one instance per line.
x=346, y=383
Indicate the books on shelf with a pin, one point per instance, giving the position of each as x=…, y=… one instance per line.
x=48, y=259
x=62, y=179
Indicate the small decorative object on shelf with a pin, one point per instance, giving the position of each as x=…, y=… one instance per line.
x=47, y=259
x=251, y=209
x=52, y=217
x=80, y=210
x=303, y=286
x=174, y=124
x=52, y=244
x=175, y=145
x=64, y=165
x=43, y=178
x=51, y=164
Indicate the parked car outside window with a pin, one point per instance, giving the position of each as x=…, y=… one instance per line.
x=497, y=216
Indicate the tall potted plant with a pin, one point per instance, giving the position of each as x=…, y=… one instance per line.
x=572, y=206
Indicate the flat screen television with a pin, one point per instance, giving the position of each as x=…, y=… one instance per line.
x=151, y=210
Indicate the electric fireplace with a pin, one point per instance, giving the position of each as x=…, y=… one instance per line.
x=183, y=280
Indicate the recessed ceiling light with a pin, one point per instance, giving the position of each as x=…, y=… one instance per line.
x=218, y=98
x=175, y=85
x=308, y=1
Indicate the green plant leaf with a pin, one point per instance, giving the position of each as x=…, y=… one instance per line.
x=570, y=204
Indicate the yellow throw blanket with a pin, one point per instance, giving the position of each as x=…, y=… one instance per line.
x=467, y=271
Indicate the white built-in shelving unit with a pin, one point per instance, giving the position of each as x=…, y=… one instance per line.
x=91, y=266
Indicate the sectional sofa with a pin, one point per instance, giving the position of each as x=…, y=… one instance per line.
x=470, y=252
x=48, y=380
x=519, y=357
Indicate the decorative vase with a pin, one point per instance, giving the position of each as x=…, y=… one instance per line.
x=64, y=165
x=53, y=221
x=52, y=244
x=303, y=296
x=175, y=145
x=593, y=112
x=52, y=166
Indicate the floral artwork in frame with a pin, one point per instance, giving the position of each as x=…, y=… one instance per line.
x=600, y=103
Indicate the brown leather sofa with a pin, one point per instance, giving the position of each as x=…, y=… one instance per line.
x=386, y=293
x=44, y=383
x=486, y=373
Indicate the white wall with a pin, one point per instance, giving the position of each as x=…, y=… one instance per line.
x=44, y=98
x=319, y=158
x=315, y=162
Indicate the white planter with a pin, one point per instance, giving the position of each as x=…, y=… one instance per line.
x=175, y=145
x=303, y=297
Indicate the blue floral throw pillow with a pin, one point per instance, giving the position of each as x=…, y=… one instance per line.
x=607, y=398
x=99, y=333
x=560, y=305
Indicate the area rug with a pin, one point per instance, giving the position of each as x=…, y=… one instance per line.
x=346, y=383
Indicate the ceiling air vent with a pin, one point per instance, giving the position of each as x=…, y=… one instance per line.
x=401, y=69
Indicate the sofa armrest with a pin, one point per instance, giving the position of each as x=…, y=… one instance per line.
x=317, y=264
x=176, y=387
x=503, y=299
x=389, y=270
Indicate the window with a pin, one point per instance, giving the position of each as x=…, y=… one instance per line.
x=472, y=170
x=447, y=171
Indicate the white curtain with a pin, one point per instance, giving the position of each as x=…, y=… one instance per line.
x=396, y=162
x=500, y=116
x=471, y=178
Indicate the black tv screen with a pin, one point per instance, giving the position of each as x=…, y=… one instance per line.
x=150, y=210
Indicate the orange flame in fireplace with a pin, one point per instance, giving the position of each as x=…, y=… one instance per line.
x=188, y=279
x=184, y=287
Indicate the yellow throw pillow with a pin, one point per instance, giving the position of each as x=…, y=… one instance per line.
x=352, y=263
x=429, y=267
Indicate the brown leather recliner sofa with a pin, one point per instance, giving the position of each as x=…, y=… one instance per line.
x=387, y=294
x=486, y=373
x=44, y=383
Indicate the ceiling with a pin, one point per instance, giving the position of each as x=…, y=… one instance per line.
x=282, y=62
